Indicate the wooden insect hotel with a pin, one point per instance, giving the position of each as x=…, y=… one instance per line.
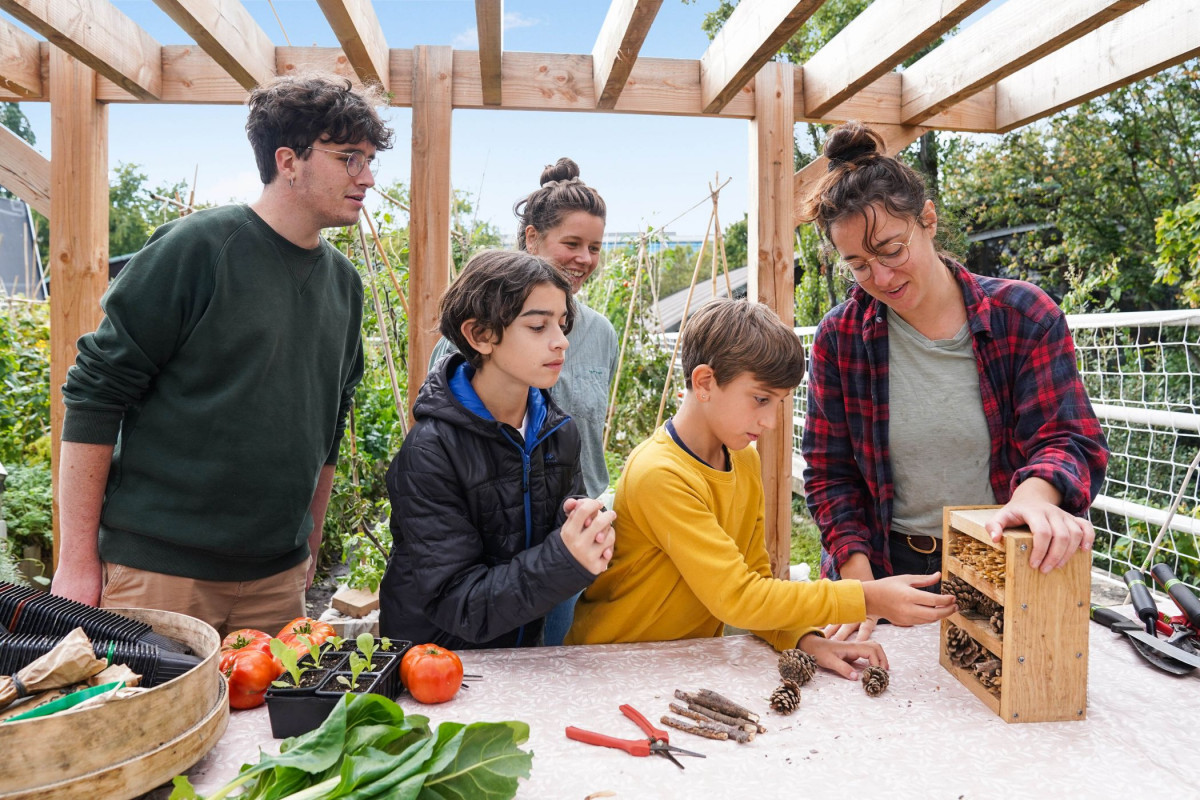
x=1019, y=640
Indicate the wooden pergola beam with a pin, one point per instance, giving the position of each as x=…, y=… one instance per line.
x=749, y=39
x=24, y=171
x=617, y=47
x=358, y=30
x=78, y=263
x=1160, y=34
x=225, y=30
x=489, y=24
x=431, y=195
x=876, y=41
x=20, y=62
x=771, y=246
x=543, y=82
x=1013, y=36
x=895, y=139
x=100, y=36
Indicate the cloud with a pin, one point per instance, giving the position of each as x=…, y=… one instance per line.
x=469, y=39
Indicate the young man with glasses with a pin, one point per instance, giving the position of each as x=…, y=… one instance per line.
x=204, y=415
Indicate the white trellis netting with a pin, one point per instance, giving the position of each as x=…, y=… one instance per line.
x=1142, y=372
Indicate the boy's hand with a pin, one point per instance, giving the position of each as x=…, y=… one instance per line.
x=899, y=599
x=588, y=533
x=850, y=632
x=840, y=657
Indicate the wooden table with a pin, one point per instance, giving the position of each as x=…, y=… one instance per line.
x=927, y=736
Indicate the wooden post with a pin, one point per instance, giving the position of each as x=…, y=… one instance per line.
x=771, y=282
x=78, y=226
x=429, y=200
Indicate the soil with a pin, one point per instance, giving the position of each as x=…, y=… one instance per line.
x=323, y=588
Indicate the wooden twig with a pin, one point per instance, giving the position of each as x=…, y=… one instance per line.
x=698, y=730
x=736, y=732
x=725, y=718
x=612, y=398
x=712, y=700
x=393, y=200
x=386, y=262
x=401, y=408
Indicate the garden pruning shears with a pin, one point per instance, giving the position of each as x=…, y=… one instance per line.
x=656, y=741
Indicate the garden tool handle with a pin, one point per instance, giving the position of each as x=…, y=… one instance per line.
x=1143, y=601
x=635, y=747
x=1187, y=601
x=1108, y=618
x=643, y=723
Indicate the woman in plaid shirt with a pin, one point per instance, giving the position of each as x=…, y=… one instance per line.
x=932, y=386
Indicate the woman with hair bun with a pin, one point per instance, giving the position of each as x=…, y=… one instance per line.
x=932, y=386
x=563, y=222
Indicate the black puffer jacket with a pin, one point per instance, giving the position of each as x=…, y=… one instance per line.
x=477, y=559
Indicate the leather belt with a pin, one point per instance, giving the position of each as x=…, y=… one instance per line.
x=925, y=545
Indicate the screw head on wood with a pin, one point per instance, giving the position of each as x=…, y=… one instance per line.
x=1015, y=715
x=1021, y=659
x=1024, y=606
x=1024, y=547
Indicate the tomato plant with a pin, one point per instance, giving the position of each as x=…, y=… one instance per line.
x=249, y=674
x=431, y=674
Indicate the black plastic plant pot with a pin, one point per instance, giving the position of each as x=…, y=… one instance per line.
x=310, y=679
x=294, y=714
x=333, y=660
x=334, y=689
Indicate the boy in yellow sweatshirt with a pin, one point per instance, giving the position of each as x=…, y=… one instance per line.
x=690, y=552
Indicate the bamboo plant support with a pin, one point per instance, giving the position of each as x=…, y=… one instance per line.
x=387, y=344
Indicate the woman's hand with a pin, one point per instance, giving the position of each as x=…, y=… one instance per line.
x=840, y=657
x=1056, y=533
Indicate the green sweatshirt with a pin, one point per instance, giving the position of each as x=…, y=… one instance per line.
x=223, y=372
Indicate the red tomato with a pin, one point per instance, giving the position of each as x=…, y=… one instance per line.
x=430, y=673
x=316, y=631
x=250, y=639
x=249, y=674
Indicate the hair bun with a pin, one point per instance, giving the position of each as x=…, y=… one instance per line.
x=562, y=170
x=852, y=141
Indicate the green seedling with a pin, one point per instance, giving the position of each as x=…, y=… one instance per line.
x=385, y=644
x=357, y=665
x=290, y=660
x=366, y=645
x=336, y=642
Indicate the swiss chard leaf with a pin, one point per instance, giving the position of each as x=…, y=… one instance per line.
x=485, y=765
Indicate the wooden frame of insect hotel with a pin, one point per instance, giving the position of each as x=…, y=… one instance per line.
x=1019, y=640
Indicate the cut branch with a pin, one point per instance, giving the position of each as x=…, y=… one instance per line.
x=700, y=729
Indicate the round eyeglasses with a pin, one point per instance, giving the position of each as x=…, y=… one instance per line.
x=890, y=255
x=355, y=160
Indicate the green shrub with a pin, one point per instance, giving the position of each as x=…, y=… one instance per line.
x=28, y=503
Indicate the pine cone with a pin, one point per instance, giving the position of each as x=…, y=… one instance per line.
x=962, y=649
x=797, y=666
x=875, y=680
x=786, y=698
x=997, y=622
x=963, y=592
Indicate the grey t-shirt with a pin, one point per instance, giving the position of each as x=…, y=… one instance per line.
x=937, y=434
x=582, y=388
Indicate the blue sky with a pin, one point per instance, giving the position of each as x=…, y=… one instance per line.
x=649, y=169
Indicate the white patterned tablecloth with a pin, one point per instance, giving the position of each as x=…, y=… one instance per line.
x=925, y=737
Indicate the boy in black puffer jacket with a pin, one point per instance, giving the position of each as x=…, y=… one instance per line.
x=490, y=523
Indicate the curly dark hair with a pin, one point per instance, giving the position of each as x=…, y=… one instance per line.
x=492, y=290
x=561, y=193
x=295, y=111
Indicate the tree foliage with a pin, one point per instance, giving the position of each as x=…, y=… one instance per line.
x=1080, y=193
x=133, y=214
x=1177, y=234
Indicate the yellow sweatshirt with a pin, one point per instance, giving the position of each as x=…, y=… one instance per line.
x=691, y=556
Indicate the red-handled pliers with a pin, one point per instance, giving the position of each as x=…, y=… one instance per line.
x=656, y=741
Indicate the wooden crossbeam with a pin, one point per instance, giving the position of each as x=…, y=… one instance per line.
x=100, y=36
x=750, y=37
x=24, y=171
x=617, y=47
x=895, y=139
x=489, y=23
x=358, y=30
x=879, y=103
x=1013, y=36
x=225, y=30
x=876, y=41
x=20, y=62
x=1160, y=34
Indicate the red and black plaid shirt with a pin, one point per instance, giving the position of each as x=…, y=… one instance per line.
x=1039, y=418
